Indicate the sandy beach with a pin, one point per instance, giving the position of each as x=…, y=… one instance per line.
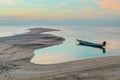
x=17, y=51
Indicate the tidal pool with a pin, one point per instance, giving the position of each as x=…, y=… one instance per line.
x=69, y=50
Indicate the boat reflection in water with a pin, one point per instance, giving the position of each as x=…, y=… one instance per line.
x=100, y=46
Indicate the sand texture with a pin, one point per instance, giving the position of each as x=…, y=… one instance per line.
x=17, y=51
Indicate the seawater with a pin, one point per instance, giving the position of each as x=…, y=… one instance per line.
x=69, y=50
x=6, y=31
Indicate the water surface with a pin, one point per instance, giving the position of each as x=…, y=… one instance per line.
x=69, y=50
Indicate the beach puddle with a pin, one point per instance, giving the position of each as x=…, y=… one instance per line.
x=69, y=50
x=64, y=53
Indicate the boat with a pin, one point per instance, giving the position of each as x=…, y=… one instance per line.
x=85, y=43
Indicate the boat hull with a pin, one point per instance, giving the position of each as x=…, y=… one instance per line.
x=90, y=44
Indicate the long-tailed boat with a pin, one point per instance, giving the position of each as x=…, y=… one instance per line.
x=81, y=42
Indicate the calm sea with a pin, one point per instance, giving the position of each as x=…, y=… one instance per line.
x=70, y=50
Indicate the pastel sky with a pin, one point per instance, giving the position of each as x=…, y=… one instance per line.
x=59, y=10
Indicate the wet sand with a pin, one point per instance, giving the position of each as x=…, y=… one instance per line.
x=17, y=51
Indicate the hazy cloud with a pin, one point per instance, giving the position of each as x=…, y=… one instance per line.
x=109, y=4
x=9, y=2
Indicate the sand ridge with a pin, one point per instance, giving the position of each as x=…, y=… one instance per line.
x=16, y=52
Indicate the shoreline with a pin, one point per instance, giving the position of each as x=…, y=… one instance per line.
x=16, y=52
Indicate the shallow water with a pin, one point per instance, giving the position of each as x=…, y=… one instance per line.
x=69, y=50
x=6, y=31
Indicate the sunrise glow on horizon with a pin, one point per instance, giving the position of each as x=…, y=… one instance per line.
x=58, y=9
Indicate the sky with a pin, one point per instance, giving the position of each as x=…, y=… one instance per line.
x=60, y=12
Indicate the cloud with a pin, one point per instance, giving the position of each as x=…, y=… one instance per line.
x=26, y=13
x=57, y=11
x=105, y=4
x=109, y=4
x=46, y=14
x=60, y=5
x=56, y=7
x=82, y=0
x=10, y=2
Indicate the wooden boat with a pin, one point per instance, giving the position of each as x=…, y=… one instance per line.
x=81, y=42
